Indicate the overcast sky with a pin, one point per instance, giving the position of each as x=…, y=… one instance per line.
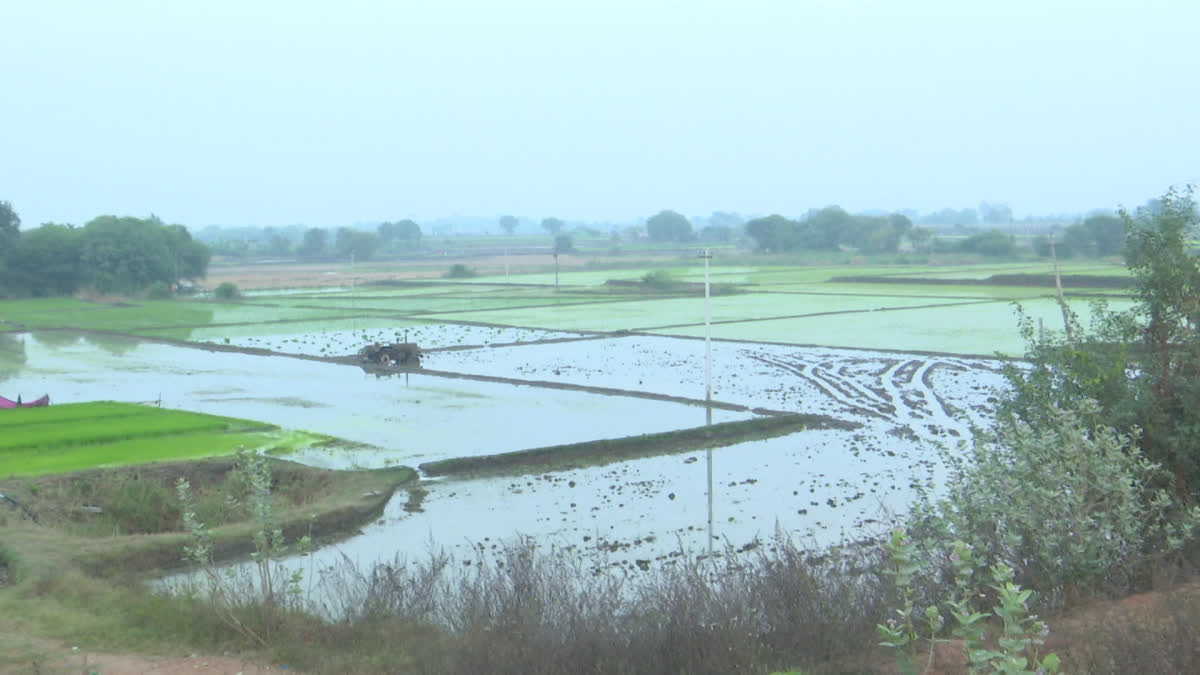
x=330, y=113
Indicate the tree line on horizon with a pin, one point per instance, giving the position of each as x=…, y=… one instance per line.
x=108, y=254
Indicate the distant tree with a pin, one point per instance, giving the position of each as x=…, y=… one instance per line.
x=726, y=219
x=882, y=239
x=227, y=290
x=278, y=244
x=772, y=233
x=1108, y=232
x=10, y=228
x=386, y=231
x=1077, y=241
x=995, y=213
x=409, y=232
x=901, y=223
x=1041, y=246
x=669, y=226
x=717, y=233
x=552, y=225
x=563, y=243
x=189, y=258
x=509, y=224
x=991, y=243
x=826, y=228
x=314, y=243
x=356, y=244
x=921, y=239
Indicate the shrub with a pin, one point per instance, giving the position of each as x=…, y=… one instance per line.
x=227, y=291
x=459, y=271
x=158, y=290
x=1069, y=507
x=658, y=279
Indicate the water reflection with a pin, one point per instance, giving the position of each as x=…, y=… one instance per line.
x=113, y=344
x=56, y=339
x=12, y=354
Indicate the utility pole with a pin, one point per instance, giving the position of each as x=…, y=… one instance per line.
x=708, y=388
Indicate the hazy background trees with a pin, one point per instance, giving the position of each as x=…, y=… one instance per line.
x=669, y=226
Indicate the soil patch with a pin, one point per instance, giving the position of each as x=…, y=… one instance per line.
x=1032, y=280
x=575, y=455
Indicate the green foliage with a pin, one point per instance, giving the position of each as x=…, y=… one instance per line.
x=1141, y=365
x=158, y=290
x=829, y=229
x=1068, y=504
x=459, y=271
x=142, y=506
x=993, y=243
x=1022, y=633
x=227, y=290
x=509, y=224
x=356, y=244
x=314, y=243
x=669, y=226
x=552, y=225
x=661, y=279
x=563, y=243
x=46, y=261
x=272, y=593
x=124, y=255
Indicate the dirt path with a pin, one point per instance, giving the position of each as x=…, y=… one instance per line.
x=44, y=656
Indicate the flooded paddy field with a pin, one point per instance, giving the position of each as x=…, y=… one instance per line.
x=509, y=368
x=403, y=418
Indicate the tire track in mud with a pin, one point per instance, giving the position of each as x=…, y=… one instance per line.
x=899, y=391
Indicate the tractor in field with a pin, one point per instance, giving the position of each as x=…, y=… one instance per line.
x=396, y=354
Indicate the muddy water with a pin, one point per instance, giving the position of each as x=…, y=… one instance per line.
x=407, y=419
x=820, y=486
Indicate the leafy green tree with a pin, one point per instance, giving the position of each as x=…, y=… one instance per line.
x=716, y=233
x=314, y=243
x=409, y=232
x=1141, y=365
x=991, y=243
x=552, y=225
x=509, y=224
x=47, y=261
x=669, y=226
x=1077, y=241
x=189, y=258
x=824, y=229
x=124, y=255
x=356, y=244
x=1158, y=252
x=1108, y=233
x=901, y=224
x=10, y=229
x=563, y=243
x=772, y=233
x=921, y=239
x=883, y=239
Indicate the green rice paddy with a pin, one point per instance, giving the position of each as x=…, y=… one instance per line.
x=61, y=438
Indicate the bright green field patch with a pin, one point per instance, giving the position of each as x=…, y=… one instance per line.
x=70, y=437
x=984, y=328
x=671, y=311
